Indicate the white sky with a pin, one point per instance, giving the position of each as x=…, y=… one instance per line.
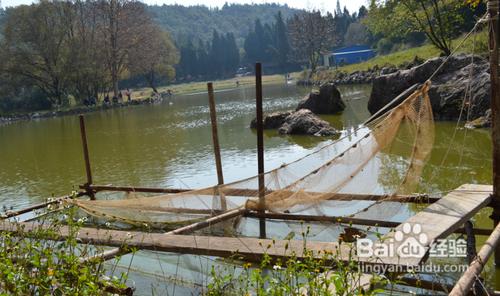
x=328, y=5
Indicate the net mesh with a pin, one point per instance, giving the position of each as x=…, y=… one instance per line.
x=385, y=156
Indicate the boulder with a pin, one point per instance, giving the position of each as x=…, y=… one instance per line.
x=304, y=122
x=481, y=122
x=273, y=120
x=326, y=101
x=448, y=89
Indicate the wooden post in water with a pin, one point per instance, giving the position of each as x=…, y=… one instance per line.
x=83, y=133
x=215, y=139
x=215, y=135
x=260, y=148
x=493, y=8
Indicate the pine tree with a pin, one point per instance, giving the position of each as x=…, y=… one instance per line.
x=281, y=43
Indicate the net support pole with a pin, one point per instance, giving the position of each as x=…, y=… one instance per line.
x=494, y=39
x=86, y=157
x=260, y=147
x=215, y=134
x=215, y=139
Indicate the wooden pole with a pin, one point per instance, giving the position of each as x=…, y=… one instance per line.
x=419, y=198
x=260, y=148
x=465, y=283
x=215, y=134
x=83, y=133
x=215, y=139
x=495, y=113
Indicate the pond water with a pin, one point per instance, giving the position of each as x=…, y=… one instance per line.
x=169, y=145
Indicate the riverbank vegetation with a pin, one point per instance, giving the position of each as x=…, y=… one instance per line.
x=54, y=55
x=309, y=275
x=57, y=52
x=35, y=263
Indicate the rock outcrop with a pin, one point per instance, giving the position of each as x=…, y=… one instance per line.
x=326, y=101
x=304, y=122
x=481, y=122
x=301, y=122
x=458, y=78
x=273, y=120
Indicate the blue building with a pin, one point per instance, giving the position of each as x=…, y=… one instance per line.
x=348, y=55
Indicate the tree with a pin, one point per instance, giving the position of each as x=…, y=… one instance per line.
x=89, y=75
x=155, y=57
x=310, y=34
x=35, y=46
x=356, y=34
x=281, y=45
x=123, y=24
x=232, y=60
x=439, y=20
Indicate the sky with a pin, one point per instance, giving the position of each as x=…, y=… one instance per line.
x=324, y=5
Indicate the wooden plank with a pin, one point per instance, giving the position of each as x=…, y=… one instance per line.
x=110, y=254
x=438, y=221
x=248, y=249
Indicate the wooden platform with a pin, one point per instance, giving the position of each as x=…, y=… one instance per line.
x=439, y=220
x=436, y=221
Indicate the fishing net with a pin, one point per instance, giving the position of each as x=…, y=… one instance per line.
x=385, y=156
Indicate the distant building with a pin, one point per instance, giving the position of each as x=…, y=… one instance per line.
x=348, y=55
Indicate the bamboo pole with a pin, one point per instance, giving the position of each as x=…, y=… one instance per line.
x=215, y=139
x=418, y=198
x=465, y=283
x=215, y=134
x=493, y=7
x=260, y=147
x=15, y=213
x=83, y=134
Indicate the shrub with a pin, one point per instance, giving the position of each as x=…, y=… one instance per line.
x=34, y=263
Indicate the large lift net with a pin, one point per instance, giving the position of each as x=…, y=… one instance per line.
x=385, y=156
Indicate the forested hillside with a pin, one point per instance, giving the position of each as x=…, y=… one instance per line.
x=2, y=20
x=198, y=22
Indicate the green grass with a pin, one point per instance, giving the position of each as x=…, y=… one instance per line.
x=195, y=87
x=424, y=52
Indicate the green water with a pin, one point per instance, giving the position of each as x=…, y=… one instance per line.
x=169, y=145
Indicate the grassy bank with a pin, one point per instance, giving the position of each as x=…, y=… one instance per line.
x=196, y=87
x=477, y=44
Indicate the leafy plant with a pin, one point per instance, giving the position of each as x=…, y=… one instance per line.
x=306, y=275
x=34, y=263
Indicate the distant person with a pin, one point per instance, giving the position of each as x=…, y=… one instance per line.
x=120, y=96
x=106, y=100
x=129, y=95
x=237, y=83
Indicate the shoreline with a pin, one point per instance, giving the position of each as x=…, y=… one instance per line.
x=140, y=99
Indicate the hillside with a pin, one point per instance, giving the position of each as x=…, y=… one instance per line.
x=198, y=22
